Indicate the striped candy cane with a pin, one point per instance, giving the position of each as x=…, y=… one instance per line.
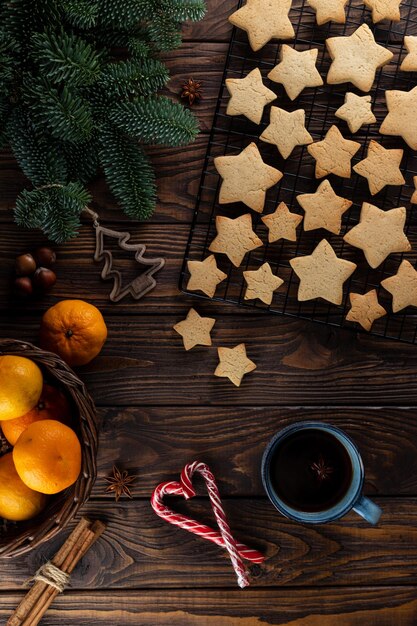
x=237, y=551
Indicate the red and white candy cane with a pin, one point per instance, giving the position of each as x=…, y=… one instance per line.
x=237, y=551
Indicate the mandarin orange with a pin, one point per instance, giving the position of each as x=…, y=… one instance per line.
x=17, y=501
x=20, y=386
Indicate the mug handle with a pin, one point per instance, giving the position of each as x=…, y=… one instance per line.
x=367, y=509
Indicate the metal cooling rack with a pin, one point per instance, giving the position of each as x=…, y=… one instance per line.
x=230, y=134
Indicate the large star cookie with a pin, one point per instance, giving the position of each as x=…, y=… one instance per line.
x=365, y=309
x=282, y=224
x=356, y=58
x=381, y=167
x=264, y=20
x=356, y=111
x=379, y=233
x=248, y=96
x=235, y=237
x=401, y=119
x=246, y=178
x=402, y=286
x=234, y=364
x=409, y=63
x=286, y=130
x=333, y=154
x=324, y=208
x=296, y=70
x=261, y=283
x=195, y=330
x=322, y=274
x=384, y=9
x=329, y=11
x=205, y=275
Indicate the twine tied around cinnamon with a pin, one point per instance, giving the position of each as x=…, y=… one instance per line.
x=51, y=575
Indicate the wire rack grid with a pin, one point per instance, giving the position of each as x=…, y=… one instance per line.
x=230, y=134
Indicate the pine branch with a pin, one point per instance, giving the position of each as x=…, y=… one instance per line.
x=81, y=13
x=182, y=10
x=164, y=32
x=81, y=159
x=131, y=77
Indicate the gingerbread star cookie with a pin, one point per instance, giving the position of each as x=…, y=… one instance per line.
x=356, y=111
x=329, y=11
x=333, y=154
x=286, y=130
x=409, y=63
x=414, y=196
x=402, y=286
x=264, y=20
x=379, y=233
x=365, y=309
x=234, y=364
x=401, y=119
x=384, y=10
x=195, y=330
x=322, y=274
x=356, y=58
x=235, y=237
x=246, y=178
x=324, y=208
x=381, y=167
x=248, y=96
x=261, y=283
x=282, y=224
x=205, y=275
x=296, y=70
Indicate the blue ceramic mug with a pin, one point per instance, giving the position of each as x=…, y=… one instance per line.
x=352, y=497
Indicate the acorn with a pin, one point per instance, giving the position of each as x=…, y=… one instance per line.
x=45, y=257
x=23, y=287
x=25, y=265
x=44, y=279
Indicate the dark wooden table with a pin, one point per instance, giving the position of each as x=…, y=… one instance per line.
x=162, y=408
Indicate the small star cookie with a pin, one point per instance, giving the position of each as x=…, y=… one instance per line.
x=379, y=233
x=282, y=224
x=329, y=11
x=286, y=130
x=356, y=58
x=296, y=70
x=322, y=274
x=333, y=154
x=384, y=10
x=248, y=96
x=356, y=111
x=381, y=167
x=401, y=119
x=234, y=364
x=402, y=286
x=246, y=178
x=261, y=283
x=264, y=20
x=409, y=63
x=324, y=208
x=235, y=237
x=365, y=309
x=414, y=196
x=205, y=275
x=195, y=330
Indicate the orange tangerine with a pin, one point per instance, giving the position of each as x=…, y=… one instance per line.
x=17, y=501
x=20, y=386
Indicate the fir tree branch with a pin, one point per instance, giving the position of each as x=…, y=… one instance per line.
x=81, y=13
x=131, y=77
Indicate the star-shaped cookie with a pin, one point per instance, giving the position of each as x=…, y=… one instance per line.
x=381, y=167
x=282, y=224
x=356, y=58
x=264, y=20
x=379, y=233
x=356, y=111
x=195, y=330
x=401, y=119
x=322, y=274
x=205, y=275
x=246, y=178
x=414, y=196
x=235, y=237
x=409, y=63
x=402, y=286
x=296, y=70
x=286, y=130
x=384, y=9
x=324, y=208
x=333, y=154
x=248, y=96
x=365, y=309
x=234, y=364
x=261, y=283
x=329, y=11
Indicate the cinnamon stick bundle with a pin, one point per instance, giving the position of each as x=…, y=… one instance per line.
x=38, y=599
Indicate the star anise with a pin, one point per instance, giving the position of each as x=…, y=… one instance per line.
x=191, y=90
x=321, y=469
x=120, y=483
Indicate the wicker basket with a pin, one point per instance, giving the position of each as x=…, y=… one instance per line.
x=18, y=538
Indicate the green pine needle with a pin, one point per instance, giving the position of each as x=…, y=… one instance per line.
x=131, y=78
